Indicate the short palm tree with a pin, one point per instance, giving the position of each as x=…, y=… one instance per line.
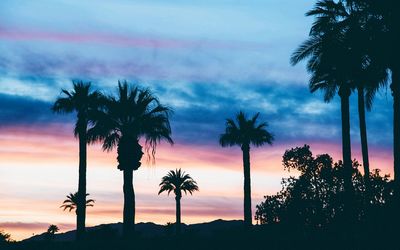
x=71, y=202
x=51, y=231
x=245, y=132
x=178, y=181
x=134, y=114
x=84, y=102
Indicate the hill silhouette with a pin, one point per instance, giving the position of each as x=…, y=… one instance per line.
x=146, y=230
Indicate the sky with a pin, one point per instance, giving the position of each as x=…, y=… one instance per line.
x=206, y=60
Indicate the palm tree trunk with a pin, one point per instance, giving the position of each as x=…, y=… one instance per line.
x=247, y=185
x=363, y=135
x=395, y=86
x=178, y=214
x=81, y=206
x=344, y=94
x=129, y=204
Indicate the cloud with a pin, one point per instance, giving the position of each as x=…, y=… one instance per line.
x=25, y=111
x=32, y=225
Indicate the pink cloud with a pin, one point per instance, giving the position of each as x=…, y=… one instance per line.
x=16, y=34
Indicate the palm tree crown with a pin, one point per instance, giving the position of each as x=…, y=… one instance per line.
x=82, y=100
x=244, y=132
x=134, y=114
x=178, y=181
x=72, y=200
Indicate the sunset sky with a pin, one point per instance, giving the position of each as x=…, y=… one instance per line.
x=205, y=59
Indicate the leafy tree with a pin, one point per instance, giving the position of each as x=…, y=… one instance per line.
x=71, y=202
x=85, y=103
x=4, y=237
x=134, y=114
x=244, y=132
x=315, y=199
x=178, y=181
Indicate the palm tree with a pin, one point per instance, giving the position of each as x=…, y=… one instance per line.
x=51, y=231
x=330, y=64
x=368, y=75
x=72, y=200
x=385, y=27
x=178, y=181
x=84, y=102
x=134, y=114
x=339, y=61
x=244, y=132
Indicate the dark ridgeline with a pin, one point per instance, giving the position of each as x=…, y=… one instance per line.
x=71, y=203
x=244, y=132
x=178, y=181
x=85, y=103
x=134, y=114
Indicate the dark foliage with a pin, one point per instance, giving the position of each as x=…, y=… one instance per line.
x=315, y=198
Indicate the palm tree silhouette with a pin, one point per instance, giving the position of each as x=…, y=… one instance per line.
x=135, y=113
x=242, y=133
x=339, y=62
x=385, y=26
x=51, y=231
x=84, y=102
x=72, y=200
x=178, y=181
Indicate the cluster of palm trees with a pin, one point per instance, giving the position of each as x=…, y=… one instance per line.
x=353, y=47
x=120, y=122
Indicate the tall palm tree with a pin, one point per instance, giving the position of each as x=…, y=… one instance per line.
x=134, y=114
x=328, y=64
x=84, y=102
x=339, y=61
x=245, y=132
x=72, y=200
x=385, y=27
x=178, y=181
x=368, y=75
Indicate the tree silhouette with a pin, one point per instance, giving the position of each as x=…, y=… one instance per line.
x=71, y=202
x=178, y=181
x=315, y=198
x=51, y=231
x=4, y=237
x=384, y=23
x=245, y=132
x=330, y=65
x=84, y=102
x=134, y=114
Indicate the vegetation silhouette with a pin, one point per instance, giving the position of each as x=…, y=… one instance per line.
x=352, y=46
x=329, y=64
x=134, y=114
x=51, y=231
x=316, y=197
x=244, y=132
x=72, y=200
x=85, y=103
x=178, y=181
x=4, y=238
